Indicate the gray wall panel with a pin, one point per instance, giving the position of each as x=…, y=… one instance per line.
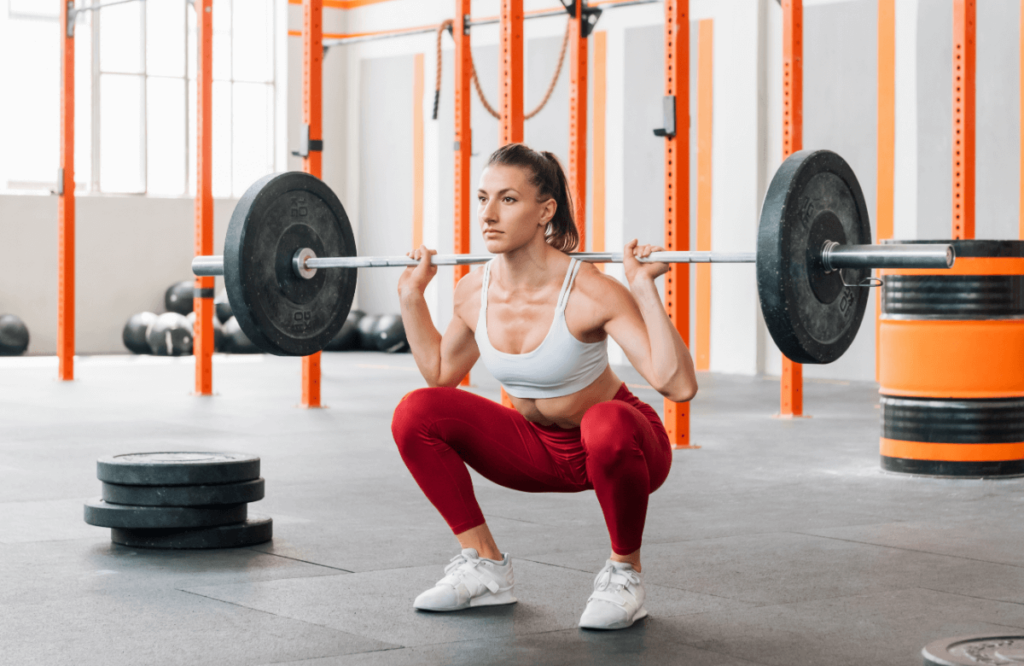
x=643, y=153
x=486, y=132
x=998, y=120
x=385, y=174
x=840, y=114
x=997, y=128
x=934, y=119
x=549, y=129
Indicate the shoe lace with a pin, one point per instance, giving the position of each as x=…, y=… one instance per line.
x=461, y=567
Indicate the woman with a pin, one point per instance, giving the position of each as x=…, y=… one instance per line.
x=540, y=321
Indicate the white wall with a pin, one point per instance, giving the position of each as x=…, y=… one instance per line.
x=128, y=251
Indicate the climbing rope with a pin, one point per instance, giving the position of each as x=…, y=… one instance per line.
x=447, y=25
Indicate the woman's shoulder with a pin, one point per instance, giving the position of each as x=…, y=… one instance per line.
x=469, y=285
x=597, y=286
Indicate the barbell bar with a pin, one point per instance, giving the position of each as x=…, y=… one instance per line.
x=833, y=256
x=813, y=260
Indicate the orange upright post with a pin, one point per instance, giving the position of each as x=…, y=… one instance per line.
x=66, y=202
x=511, y=84
x=705, y=110
x=677, y=193
x=600, y=139
x=963, y=118
x=463, y=136
x=792, y=384
x=312, y=110
x=511, y=71
x=578, y=45
x=1021, y=193
x=203, y=302
x=886, y=140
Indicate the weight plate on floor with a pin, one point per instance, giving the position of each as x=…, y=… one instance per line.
x=253, y=531
x=811, y=314
x=101, y=514
x=216, y=495
x=279, y=311
x=184, y=468
x=974, y=650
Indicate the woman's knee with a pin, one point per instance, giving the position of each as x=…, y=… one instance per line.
x=414, y=413
x=610, y=432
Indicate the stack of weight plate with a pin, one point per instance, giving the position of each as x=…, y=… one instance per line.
x=180, y=500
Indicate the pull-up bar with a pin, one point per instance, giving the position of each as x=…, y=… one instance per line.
x=73, y=11
x=486, y=20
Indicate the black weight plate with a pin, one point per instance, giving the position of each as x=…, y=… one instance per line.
x=812, y=316
x=217, y=495
x=279, y=311
x=253, y=531
x=975, y=650
x=101, y=514
x=184, y=468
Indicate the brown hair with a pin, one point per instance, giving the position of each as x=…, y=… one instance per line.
x=547, y=175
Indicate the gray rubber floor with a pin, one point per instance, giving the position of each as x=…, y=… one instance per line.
x=778, y=542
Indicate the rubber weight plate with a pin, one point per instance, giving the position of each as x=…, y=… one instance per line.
x=812, y=315
x=279, y=311
x=218, y=495
x=975, y=650
x=187, y=468
x=101, y=514
x=253, y=531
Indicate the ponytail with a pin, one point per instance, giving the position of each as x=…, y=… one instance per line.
x=549, y=178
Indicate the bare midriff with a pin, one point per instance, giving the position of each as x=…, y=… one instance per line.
x=567, y=411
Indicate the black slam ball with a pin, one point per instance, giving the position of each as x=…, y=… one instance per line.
x=170, y=335
x=178, y=297
x=347, y=338
x=235, y=340
x=13, y=336
x=222, y=306
x=365, y=327
x=389, y=334
x=134, y=334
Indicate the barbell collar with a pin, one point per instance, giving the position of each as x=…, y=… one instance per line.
x=835, y=256
x=208, y=266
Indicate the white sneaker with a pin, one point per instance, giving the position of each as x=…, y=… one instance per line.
x=470, y=581
x=618, y=598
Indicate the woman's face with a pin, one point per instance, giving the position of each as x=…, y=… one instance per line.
x=510, y=215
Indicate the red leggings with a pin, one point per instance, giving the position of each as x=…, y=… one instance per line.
x=620, y=450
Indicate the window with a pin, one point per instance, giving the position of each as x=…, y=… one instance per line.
x=30, y=115
x=135, y=96
x=243, y=94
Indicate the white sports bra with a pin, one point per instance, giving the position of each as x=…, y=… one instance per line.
x=559, y=366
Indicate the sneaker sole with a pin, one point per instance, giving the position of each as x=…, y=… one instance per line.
x=500, y=599
x=640, y=614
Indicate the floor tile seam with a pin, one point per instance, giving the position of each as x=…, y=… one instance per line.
x=291, y=618
x=913, y=550
x=296, y=559
x=752, y=605
x=671, y=638
x=672, y=587
x=649, y=541
x=971, y=596
x=332, y=656
x=18, y=543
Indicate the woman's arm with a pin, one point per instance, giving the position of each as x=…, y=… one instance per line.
x=640, y=325
x=443, y=361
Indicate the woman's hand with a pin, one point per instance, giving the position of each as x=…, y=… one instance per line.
x=635, y=270
x=415, y=279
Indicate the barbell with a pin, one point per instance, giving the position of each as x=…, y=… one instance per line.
x=290, y=263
